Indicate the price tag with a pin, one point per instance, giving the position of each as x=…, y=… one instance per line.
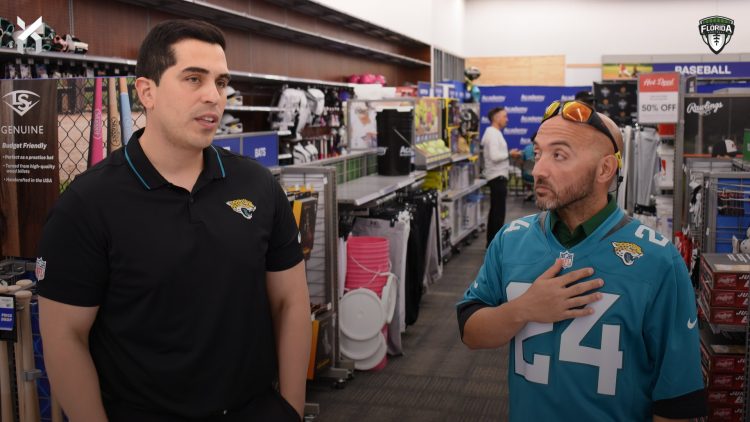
x=7, y=318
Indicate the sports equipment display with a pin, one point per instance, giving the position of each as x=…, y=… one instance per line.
x=126, y=118
x=636, y=348
x=96, y=140
x=114, y=140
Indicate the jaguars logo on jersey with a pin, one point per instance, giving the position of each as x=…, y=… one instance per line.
x=243, y=207
x=627, y=251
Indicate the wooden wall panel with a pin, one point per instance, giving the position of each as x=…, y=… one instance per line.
x=54, y=12
x=242, y=6
x=268, y=55
x=113, y=28
x=529, y=70
x=237, y=51
x=268, y=11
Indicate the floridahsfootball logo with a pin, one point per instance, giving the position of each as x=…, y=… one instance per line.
x=243, y=207
x=627, y=251
x=716, y=32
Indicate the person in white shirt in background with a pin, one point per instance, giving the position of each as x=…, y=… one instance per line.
x=496, y=163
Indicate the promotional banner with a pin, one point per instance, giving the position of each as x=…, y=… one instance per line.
x=658, y=97
x=624, y=71
x=29, y=176
x=46, y=128
x=525, y=106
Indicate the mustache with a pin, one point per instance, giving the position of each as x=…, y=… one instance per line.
x=542, y=183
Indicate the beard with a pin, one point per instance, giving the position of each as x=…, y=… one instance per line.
x=565, y=196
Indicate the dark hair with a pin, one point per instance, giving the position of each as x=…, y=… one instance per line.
x=156, y=53
x=494, y=111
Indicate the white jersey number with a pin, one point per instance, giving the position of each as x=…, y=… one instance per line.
x=651, y=235
x=608, y=358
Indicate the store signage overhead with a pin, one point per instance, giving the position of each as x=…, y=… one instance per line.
x=710, y=70
x=658, y=96
x=525, y=106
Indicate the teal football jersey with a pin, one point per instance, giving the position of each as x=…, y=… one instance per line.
x=640, y=345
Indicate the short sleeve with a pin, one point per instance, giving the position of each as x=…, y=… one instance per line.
x=284, y=248
x=487, y=287
x=74, y=247
x=671, y=333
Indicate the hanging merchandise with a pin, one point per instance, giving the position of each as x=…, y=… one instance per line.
x=647, y=164
x=6, y=33
x=294, y=111
x=305, y=210
x=301, y=154
x=473, y=94
x=395, y=227
x=230, y=124
x=394, y=142
x=69, y=44
x=316, y=102
x=617, y=100
x=234, y=97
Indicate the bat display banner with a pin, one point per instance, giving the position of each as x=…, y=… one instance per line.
x=29, y=166
x=52, y=130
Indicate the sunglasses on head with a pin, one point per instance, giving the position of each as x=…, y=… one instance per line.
x=576, y=111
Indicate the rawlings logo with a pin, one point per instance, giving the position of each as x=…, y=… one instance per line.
x=243, y=207
x=627, y=252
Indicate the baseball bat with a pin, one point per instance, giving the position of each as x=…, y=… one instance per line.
x=96, y=141
x=126, y=116
x=29, y=392
x=56, y=410
x=113, y=140
x=6, y=397
x=23, y=299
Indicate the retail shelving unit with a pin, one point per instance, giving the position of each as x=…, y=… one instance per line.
x=466, y=214
x=244, y=21
x=321, y=267
x=368, y=189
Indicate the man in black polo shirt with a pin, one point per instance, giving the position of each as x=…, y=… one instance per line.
x=175, y=285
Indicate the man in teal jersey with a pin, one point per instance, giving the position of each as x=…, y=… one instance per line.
x=598, y=308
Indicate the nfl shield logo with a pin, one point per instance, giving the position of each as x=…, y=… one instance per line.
x=41, y=266
x=567, y=259
x=716, y=32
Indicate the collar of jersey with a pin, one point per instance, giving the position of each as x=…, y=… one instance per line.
x=150, y=178
x=587, y=227
x=590, y=243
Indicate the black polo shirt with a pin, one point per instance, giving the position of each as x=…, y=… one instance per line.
x=184, y=325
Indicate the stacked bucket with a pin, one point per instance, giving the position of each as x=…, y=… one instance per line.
x=368, y=304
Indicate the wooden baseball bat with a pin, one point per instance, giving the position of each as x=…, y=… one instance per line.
x=56, y=410
x=29, y=392
x=126, y=115
x=96, y=140
x=6, y=397
x=23, y=299
x=113, y=140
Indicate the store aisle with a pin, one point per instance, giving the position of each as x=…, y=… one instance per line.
x=438, y=378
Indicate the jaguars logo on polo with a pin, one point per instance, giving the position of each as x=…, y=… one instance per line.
x=243, y=207
x=627, y=251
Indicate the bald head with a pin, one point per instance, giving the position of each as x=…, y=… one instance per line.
x=581, y=148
